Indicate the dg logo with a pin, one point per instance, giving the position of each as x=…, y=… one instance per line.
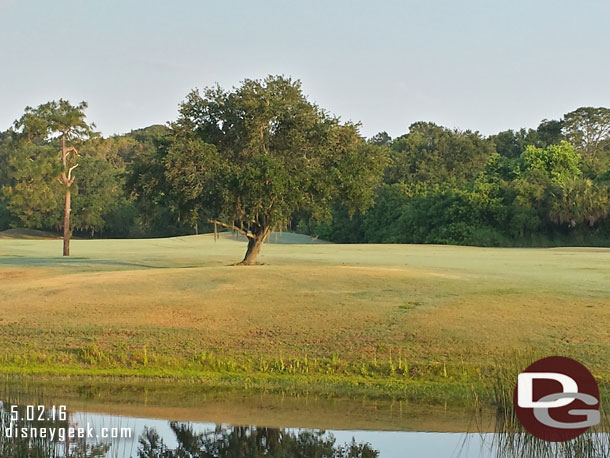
x=557, y=399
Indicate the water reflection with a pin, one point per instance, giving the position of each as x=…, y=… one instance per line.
x=225, y=442
x=42, y=434
x=153, y=438
x=512, y=441
x=519, y=445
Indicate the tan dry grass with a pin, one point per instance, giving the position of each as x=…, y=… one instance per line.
x=427, y=303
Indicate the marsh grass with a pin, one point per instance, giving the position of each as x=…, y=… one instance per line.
x=511, y=440
x=391, y=377
x=386, y=373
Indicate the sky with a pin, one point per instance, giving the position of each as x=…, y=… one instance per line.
x=482, y=65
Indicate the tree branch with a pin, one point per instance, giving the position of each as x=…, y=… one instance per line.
x=71, y=149
x=231, y=226
x=70, y=171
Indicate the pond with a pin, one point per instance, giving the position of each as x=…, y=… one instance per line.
x=169, y=421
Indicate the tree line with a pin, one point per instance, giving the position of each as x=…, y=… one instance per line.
x=532, y=187
x=262, y=157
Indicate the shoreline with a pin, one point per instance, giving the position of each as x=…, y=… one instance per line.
x=448, y=393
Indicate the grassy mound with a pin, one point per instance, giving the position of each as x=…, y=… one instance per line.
x=28, y=234
x=374, y=317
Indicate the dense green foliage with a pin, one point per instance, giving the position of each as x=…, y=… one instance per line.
x=249, y=158
x=31, y=194
x=547, y=186
x=262, y=157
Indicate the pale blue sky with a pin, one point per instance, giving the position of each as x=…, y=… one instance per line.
x=470, y=64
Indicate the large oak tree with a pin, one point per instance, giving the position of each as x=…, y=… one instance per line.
x=248, y=158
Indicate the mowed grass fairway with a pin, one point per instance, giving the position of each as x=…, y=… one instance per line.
x=386, y=315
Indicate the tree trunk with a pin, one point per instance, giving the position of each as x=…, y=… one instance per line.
x=67, y=233
x=65, y=179
x=254, y=247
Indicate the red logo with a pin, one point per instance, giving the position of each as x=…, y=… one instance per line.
x=557, y=399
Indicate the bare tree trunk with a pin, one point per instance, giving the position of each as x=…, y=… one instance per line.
x=67, y=179
x=67, y=232
x=254, y=247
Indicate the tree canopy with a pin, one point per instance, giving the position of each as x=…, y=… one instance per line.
x=261, y=156
x=42, y=155
x=252, y=156
x=588, y=129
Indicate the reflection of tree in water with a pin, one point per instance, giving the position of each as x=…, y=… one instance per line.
x=249, y=442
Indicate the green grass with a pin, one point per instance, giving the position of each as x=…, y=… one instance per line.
x=386, y=320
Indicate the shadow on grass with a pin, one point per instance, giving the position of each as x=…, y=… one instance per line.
x=72, y=262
